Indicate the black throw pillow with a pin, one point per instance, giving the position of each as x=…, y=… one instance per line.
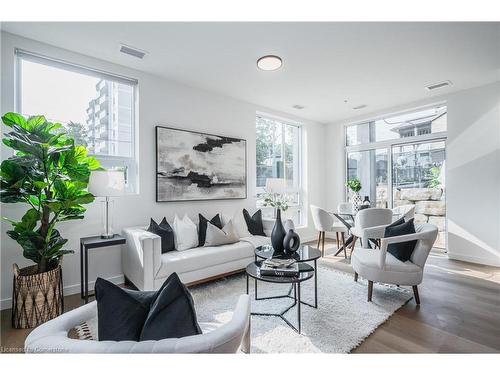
x=120, y=313
x=172, y=314
x=165, y=231
x=254, y=223
x=403, y=250
x=124, y=314
x=202, y=227
x=399, y=221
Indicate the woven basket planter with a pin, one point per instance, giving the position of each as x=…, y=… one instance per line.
x=36, y=297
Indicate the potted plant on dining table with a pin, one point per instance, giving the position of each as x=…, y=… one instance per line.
x=48, y=174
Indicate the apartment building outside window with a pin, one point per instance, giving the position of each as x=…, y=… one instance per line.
x=96, y=108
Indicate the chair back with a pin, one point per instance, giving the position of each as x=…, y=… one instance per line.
x=407, y=211
x=428, y=234
x=345, y=208
x=372, y=217
x=323, y=221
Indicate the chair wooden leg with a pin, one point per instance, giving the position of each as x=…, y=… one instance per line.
x=343, y=244
x=370, y=290
x=415, y=293
x=323, y=245
x=319, y=239
x=338, y=242
x=355, y=277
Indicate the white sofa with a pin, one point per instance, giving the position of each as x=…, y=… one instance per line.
x=147, y=268
x=52, y=336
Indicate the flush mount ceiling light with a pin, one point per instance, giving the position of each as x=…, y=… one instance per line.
x=269, y=62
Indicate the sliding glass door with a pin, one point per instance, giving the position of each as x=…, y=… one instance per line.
x=418, y=178
x=400, y=160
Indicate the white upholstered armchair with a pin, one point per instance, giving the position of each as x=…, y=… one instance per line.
x=52, y=336
x=324, y=222
x=380, y=266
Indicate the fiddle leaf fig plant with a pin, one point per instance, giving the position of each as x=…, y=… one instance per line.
x=50, y=175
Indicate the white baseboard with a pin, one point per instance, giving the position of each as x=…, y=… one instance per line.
x=473, y=259
x=68, y=290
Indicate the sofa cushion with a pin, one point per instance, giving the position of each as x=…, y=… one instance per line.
x=201, y=257
x=185, y=233
x=166, y=233
x=254, y=222
x=172, y=313
x=202, y=227
x=121, y=313
x=224, y=236
x=240, y=225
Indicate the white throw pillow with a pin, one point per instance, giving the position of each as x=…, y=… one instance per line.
x=224, y=236
x=185, y=233
x=240, y=225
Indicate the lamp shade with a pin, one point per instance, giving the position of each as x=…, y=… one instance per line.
x=275, y=185
x=107, y=183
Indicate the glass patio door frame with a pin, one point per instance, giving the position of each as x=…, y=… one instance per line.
x=388, y=146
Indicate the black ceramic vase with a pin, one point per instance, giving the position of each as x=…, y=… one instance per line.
x=291, y=242
x=278, y=234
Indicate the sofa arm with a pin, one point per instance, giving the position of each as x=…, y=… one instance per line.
x=141, y=257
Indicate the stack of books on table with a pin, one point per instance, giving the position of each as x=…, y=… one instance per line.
x=279, y=267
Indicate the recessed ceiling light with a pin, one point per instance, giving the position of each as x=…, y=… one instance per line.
x=438, y=85
x=298, y=106
x=132, y=51
x=269, y=62
x=360, y=106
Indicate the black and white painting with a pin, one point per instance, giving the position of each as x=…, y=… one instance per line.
x=199, y=166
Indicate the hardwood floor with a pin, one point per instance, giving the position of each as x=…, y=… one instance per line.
x=459, y=312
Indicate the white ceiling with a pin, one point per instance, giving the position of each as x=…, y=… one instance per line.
x=377, y=64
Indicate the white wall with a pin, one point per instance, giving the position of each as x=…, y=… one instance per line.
x=161, y=102
x=472, y=170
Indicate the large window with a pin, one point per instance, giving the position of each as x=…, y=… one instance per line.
x=400, y=160
x=97, y=109
x=278, y=155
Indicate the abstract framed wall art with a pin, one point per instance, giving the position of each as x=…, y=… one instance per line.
x=192, y=166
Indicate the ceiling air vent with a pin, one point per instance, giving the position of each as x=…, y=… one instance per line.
x=360, y=106
x=132, y=51
x=298, y=106
x=438, y=85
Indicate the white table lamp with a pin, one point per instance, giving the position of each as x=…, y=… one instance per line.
x=107, y=184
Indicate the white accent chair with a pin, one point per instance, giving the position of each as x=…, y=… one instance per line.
x=377, y=265
x=324, y=222
x=52, y=336
x=370, y=223
x=407, y=211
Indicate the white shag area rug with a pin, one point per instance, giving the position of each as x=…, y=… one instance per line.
x=342, y=321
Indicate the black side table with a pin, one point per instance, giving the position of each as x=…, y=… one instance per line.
x=86, y=244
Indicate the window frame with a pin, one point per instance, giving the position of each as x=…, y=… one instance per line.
x=132, y=161
x=261, y=190
x=388, y=145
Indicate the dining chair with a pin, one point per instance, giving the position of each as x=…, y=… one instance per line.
x=370, y=223
x=324, y=222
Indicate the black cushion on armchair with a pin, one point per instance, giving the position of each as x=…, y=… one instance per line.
x=124, y=314
x=402, y=250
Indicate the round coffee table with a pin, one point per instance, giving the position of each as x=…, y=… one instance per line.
x=305, y=273
x=304, y=254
